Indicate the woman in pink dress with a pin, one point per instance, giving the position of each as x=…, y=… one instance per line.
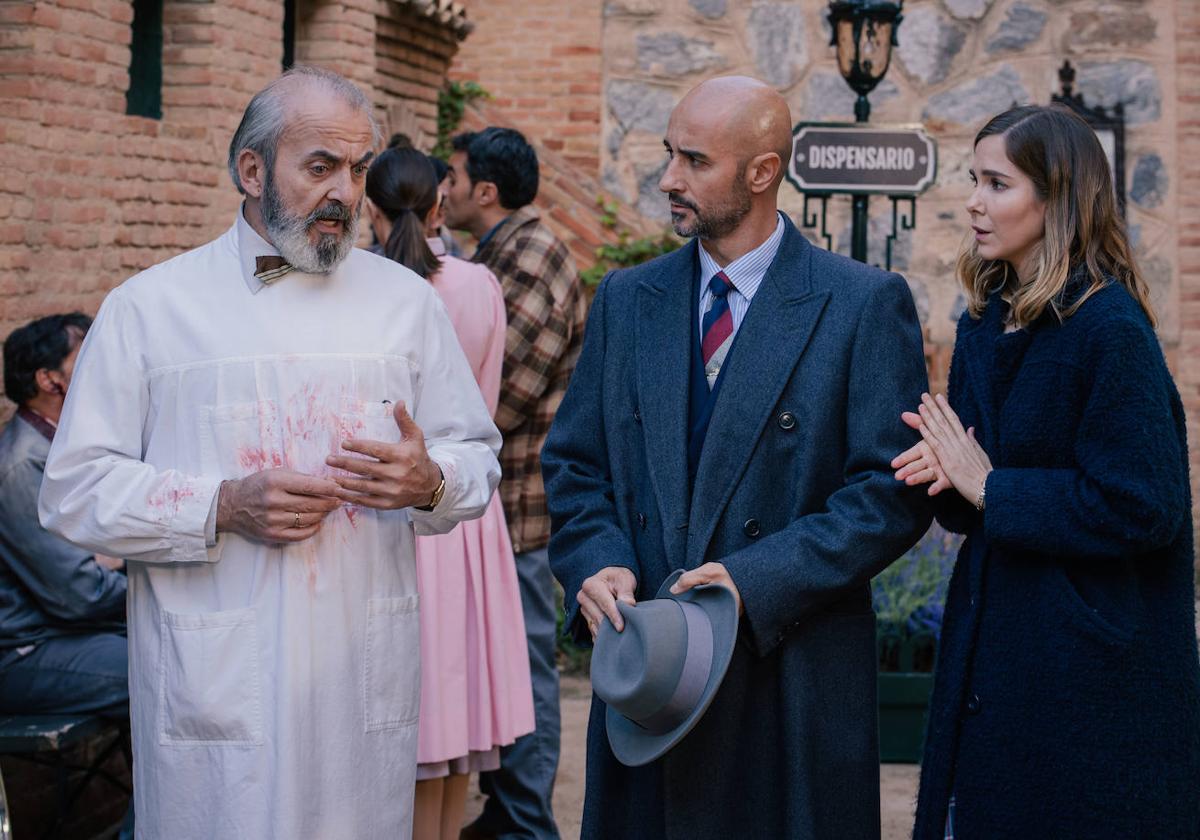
x=475, y=689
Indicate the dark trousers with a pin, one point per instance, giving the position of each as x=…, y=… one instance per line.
x=519, y=793
x=68, y=675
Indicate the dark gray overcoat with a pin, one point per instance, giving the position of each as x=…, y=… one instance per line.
x=793, y=493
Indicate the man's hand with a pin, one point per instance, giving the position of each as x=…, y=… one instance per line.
x=599, y=595
x=394, y=475
x=275, y=506
x=708, y=573
x=113, y=564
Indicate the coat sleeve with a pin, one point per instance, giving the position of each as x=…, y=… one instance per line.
x=97, y=491
x=459, y=433
x=65, y=580
x=872, y=518
x=585, y=534
x=1127, y=493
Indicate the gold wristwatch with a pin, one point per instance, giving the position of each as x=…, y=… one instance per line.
x=437, y=494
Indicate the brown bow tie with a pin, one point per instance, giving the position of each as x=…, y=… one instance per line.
x=270, y=269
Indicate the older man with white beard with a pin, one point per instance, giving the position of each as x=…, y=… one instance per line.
x=257, y=426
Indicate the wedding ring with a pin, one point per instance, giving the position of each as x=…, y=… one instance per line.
x=297, y=525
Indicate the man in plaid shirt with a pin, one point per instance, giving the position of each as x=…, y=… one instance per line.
x=493, y=180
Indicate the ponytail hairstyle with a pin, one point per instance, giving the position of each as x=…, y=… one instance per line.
x=401, y=182
x=1084, y=236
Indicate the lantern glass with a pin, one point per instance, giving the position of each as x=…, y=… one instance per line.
x=847, y=49
x=875, y=48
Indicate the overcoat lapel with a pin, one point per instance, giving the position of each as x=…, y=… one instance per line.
x=769, y=343
x=664, y=334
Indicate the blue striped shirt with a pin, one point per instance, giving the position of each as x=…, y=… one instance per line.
x=746, y=273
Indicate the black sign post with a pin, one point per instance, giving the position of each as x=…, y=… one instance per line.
x=862, y=160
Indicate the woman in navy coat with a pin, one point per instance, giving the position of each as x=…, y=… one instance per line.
x=1067, y=697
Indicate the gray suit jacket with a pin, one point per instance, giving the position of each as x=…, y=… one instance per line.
x=793, y=493
x=48, y=587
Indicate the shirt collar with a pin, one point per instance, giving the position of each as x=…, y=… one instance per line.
x=42, y=424
x=488, y=236
x=746, y=273
x=250, y=247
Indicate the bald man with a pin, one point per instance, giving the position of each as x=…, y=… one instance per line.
x=733, y=414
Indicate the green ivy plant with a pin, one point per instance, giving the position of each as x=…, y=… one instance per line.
x=628, y=251
x=452, y=102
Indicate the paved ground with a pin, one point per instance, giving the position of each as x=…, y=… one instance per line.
x=897, y=789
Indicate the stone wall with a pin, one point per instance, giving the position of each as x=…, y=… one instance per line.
x=1187, y=176
x=958, y=63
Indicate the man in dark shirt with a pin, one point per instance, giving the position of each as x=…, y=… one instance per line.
x=62, y=609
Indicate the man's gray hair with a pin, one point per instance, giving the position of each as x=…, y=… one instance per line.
x=266, y=115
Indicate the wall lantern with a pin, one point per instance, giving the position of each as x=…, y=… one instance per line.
x=864, y=32
x=1109, y=125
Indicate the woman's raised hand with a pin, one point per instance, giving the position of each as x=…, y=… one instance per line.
x=959, y=457
x=919, y=464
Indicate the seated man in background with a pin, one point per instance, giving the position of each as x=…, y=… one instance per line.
x=62, y=609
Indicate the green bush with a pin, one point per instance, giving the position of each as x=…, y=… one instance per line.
x=452, y=102
x=629, y=251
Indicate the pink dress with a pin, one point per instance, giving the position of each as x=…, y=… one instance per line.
x=475, y=688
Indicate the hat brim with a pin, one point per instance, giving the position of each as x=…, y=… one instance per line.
x=632, y=745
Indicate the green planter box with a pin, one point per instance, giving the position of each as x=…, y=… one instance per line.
x=903, y=714
x=905, y=684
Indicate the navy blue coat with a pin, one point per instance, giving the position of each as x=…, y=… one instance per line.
x=793, y=493
x=1067, y=696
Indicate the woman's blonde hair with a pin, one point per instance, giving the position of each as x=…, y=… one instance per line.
x=1061, y=154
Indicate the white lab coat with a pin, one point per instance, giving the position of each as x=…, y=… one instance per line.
x=274, y=689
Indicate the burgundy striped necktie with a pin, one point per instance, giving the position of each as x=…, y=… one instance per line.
x=717, y=327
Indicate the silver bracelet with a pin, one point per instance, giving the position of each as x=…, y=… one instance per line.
x=979, y=501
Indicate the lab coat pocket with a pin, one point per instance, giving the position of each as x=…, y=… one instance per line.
x=209, y=689
x=368, y=420
x=240, y=439
x=392, y=665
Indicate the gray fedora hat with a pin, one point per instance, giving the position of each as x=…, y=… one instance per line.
x=659, y=675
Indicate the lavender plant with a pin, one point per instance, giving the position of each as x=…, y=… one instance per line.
x=910, y=596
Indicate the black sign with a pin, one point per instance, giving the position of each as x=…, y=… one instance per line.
x=857, y=158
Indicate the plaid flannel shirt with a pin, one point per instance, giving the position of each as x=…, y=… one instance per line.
x=546, y=314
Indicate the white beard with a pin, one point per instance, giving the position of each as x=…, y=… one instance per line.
x=289, y=234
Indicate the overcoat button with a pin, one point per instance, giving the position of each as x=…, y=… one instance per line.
x=642, y=521
x=751, y=528
x=637, y=417
x=787, y=421
x=974, y=704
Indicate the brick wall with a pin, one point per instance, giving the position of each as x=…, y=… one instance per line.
x=541, y=61
x=91, y=196
x=567, y=197
x=412, y=57
x=1187, y=369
